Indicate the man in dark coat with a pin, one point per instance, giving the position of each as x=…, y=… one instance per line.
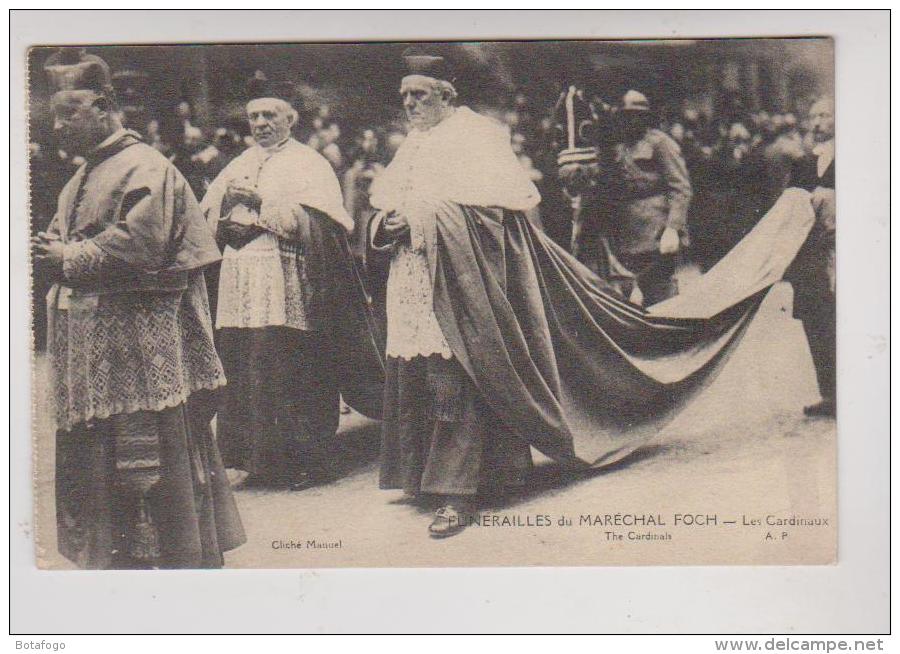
x=813, y=272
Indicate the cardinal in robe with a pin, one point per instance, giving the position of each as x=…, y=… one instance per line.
x=499, y=341
x=139, y=479
x=292, y=318
x=440, y=438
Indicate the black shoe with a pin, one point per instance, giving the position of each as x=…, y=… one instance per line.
x=411, y=499
x=302, y=481
x=823, y=409
x=447, y=522
x=256, y=482
x=316, y=476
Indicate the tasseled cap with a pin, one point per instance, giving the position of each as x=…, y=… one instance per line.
x=430, y=64
x=260, y=86
x=73, y=69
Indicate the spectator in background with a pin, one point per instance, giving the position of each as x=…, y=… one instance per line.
x=48, y=170
x=517, y=142
x=155, y=139
x=315, y=137
x=229, y=143
x=729, y=204
x=198, y=160
x=393, y=142
x=780, y=151
x=366, y=165
x=556, y=212
x=184, y=114
x=329, y=147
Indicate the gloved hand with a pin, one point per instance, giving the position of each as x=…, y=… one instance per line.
x=236, y=235
x=669, y=242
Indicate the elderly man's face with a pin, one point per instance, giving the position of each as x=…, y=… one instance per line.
x=80, y=120
x=821, y=120
x=270, y=120
x=423, y=101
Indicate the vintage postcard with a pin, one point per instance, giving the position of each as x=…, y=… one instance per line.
x=513, y=303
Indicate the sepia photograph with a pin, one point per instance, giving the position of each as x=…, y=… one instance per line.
x=463, y=321
x=482, y=303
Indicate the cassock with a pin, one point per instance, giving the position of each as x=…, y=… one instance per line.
x=139, y=479
x=292, y=319
x=439, y=434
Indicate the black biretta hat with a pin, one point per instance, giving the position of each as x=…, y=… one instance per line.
x=260, y=86
x=428, y=63
x=73, y=69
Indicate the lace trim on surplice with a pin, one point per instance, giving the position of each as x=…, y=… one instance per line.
x=126, y=352
x=412, y=327
x=264, y=284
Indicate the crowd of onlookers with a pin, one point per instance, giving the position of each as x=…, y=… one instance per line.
x=739, y=166
x=739, y=163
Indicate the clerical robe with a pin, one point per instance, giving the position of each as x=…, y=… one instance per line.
x=439, y=434
x=139, y=479
x=292, y=318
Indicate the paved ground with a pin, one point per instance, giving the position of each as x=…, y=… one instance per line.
x=743, y=450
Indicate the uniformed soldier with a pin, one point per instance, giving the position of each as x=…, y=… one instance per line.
x=649, y=184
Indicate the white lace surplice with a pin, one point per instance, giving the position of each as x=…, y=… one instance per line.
x=125, y=352
x=465, y=159
x=263, y=284
x=412, y=327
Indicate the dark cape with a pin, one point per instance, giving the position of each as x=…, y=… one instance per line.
x=346, y=311
x=308, y=212
x=582, y=375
